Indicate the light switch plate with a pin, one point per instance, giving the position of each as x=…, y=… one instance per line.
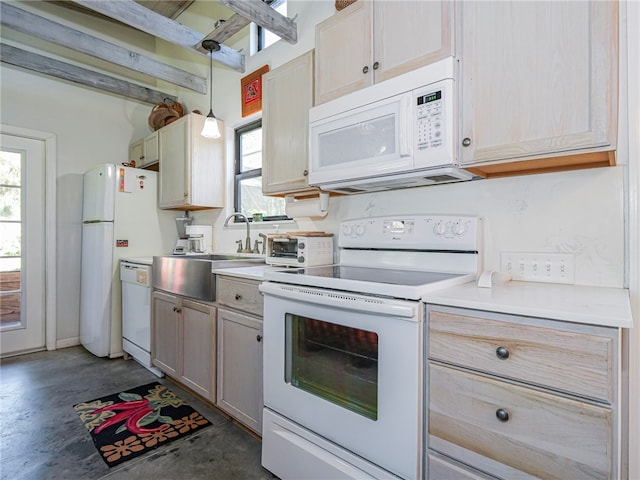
x=539, y=267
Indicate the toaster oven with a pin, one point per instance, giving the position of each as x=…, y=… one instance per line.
x=304, y=249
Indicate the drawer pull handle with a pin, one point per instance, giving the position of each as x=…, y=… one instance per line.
x=238, y=296
x=259, y=338
x=177, y=310
x=502, y=353
x=502, y=415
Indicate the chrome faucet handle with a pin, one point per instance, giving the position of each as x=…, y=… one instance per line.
x=256, y=248
x=239, y=242
x=264, y=243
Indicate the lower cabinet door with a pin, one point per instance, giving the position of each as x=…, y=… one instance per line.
x=199, y=342
x=239, y=385
x=165, y=333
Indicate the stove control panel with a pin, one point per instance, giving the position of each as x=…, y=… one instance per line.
x=408, y=232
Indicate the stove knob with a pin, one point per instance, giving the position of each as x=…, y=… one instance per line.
x=439, y=228
x=359, y=229
x=346, y=229
x=459, y=229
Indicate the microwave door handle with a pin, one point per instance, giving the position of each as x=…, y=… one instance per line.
x=404, y=123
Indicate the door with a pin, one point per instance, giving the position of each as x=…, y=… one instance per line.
x=22, y=251
x=287, y=97
x=239, y=380
x=98, y=193
x=368, y=141
x=95, y=287
x=348, y=372
x=543, y=72
x=165, y=333
x=199, y=348
x=174, y=161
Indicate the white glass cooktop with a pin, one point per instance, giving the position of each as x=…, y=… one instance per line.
x=375, y=281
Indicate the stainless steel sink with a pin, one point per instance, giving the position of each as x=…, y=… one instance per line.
x=190, y=275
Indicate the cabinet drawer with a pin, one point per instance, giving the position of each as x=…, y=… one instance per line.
x=441, y=468
x=240, y=294
x=572, y=361
x=544, y=435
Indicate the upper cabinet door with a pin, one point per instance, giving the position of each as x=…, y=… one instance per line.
x=538, y=79
x=174, y=164
x=191, y=166
x=344, y=49
x=287, y=98
x=410, y=34
x=374, y=40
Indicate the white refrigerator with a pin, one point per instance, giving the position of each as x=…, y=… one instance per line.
x=120, y=218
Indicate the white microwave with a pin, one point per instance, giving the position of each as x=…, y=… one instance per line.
x=398, y=133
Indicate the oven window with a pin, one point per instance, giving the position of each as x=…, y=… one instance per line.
x=334, y=362
x=286, y=248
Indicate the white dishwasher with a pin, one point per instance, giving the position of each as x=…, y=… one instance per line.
x=136, y=312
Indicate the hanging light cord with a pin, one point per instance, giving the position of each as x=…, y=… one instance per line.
x=212, y=46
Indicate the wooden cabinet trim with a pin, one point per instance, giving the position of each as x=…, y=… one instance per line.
x=534, y=166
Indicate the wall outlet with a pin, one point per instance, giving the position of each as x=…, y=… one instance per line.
x=539, y=267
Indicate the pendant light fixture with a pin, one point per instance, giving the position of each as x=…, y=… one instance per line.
x=211, y=128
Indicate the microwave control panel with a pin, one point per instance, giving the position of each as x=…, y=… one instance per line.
x=429, y=117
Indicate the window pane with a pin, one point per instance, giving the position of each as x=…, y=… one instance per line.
x=10, y=163
x=253, y=201
x=11, y=239
x=10, y=203
x=251, y=150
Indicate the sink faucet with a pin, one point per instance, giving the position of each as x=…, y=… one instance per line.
x=247, y=247
x=264, y=242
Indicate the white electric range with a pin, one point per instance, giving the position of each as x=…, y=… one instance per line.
x=343, y=347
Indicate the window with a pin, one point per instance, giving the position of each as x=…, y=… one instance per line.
x=265, y=37
x=11, y=222
x=248, y=176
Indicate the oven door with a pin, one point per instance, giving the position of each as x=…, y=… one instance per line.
x=348, y=368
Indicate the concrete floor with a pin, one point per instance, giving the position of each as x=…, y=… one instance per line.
x=42, y=437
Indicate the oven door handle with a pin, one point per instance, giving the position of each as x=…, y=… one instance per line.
x=344, y=300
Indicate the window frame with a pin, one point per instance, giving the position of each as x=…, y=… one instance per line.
x=239, y=175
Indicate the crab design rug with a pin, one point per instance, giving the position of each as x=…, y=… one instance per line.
x=127, y=424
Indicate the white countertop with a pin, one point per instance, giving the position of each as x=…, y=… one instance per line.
x=609, y=307
x=253, y=272
x=141, y=260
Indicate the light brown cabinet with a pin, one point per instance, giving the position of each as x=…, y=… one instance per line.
x=192, y=168
x=515, y=396
x=538, y=86
x=239, y=382
x=184, y=341
x=145, y=151
x=374, y=40
x=287, y=98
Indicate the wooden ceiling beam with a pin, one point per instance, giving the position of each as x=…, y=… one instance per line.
x=48, y=30
x=262, y=14
x=225, y=30
x=141, y=18
x=66, y=71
